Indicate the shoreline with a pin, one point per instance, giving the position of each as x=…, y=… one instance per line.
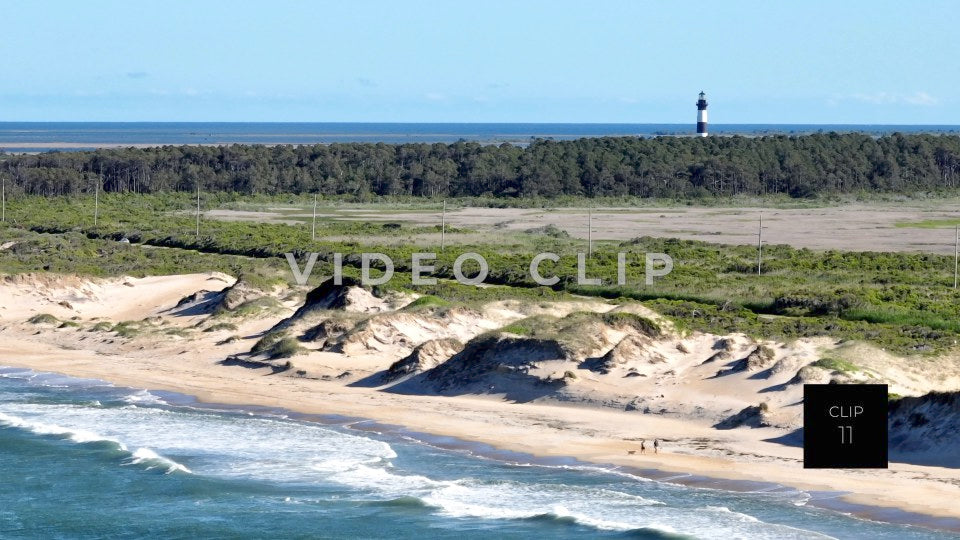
x=734, y=481
x=596, y=420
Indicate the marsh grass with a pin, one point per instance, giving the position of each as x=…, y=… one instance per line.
x=929, y=224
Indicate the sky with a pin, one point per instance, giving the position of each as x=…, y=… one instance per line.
x=811, y=62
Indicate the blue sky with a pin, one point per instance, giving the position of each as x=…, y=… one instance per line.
x=522, y=61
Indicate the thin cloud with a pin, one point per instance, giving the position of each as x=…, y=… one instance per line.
x=920, y=98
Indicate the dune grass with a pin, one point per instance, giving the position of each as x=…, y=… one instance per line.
x=428, y=301
x=836, y=364
x=286, y=348
x=44, y=318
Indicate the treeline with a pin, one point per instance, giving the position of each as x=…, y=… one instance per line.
x=670, y=167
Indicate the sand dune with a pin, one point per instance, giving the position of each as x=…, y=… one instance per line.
x=118, y=299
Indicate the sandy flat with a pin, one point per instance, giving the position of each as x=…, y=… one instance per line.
x=850, y=227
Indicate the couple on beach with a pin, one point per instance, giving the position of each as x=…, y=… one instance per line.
x=656, y=446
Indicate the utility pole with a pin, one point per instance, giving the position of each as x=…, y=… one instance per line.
x=956, y=255
x=760, y=244
x=590, y=232
x=443, y=226
x=198, y=208
x=96, y=200
x=313, y=229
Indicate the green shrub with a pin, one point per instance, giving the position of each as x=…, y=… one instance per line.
x=286, y=347
x=551, y=231
x=520, y=328
x=836, y=364
x=44, y=318
x=267, y=342
x=632, y=320
x=428, y=301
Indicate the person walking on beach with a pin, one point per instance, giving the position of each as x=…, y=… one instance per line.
x=643, y=446
x=656, y=446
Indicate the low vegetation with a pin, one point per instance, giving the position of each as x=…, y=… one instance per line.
x=428, y=301
x=44, y=318
x=836, y=364
x=220, y=327
x=278, y=345
x=901, y=301
x=266, y=343
x=251, y=308
x=286, y=348
x=632, y=321
x=127, y=329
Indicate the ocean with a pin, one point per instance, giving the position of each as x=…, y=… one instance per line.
x=86, y=459
x=48, y=136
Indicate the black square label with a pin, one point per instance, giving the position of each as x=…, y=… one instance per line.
x=844, y=426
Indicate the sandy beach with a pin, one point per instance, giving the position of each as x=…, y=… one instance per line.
x=545, y=426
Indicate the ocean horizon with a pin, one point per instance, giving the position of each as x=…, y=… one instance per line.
x=18, y=137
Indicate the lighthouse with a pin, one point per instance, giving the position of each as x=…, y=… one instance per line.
x=702, y=115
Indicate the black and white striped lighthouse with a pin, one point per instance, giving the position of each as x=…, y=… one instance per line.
x=702, y=115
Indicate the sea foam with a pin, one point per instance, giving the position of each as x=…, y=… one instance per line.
x=283, y=451
x=83, y=436
x=152, y=459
